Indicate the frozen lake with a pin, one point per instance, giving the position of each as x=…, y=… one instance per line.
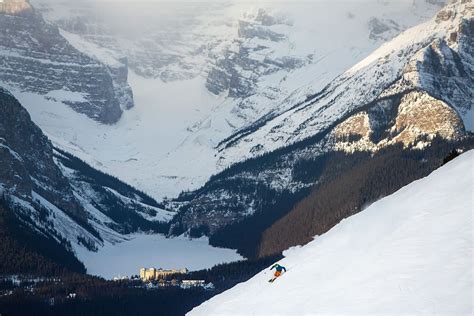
x=126, y=258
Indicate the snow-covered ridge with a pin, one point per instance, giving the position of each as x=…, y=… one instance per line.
x=406, y=62
x=409, y=253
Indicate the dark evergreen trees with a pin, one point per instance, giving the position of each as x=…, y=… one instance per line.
x=349, y=185
x=25, y=251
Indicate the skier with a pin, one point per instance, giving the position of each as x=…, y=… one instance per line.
x=278, y=270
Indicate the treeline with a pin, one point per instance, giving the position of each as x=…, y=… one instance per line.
x=245, y=235
x=348, y=185
x=344, y=184
x=124, y=213
x=25, y=251
x=260, y=163
x=100, y=178
x=95, y=296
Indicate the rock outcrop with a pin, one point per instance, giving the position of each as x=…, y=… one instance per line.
x=237, y=70
x=35, y=58
x=27, y=160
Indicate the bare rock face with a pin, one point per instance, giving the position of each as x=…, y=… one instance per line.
x=153, y=48
x=421, y=115
x=26, y=157
x=236, y=72
x=34, y=57
x=419, y=118
x=448, y=75
x=444, y=15
x=353, y=134
x=357, y=126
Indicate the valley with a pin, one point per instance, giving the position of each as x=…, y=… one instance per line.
x=224, y=136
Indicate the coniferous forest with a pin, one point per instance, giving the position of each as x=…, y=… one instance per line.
x=347, y=183
x=38, y=276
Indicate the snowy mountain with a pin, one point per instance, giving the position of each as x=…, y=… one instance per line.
x=61, y=195
x=405, y=106
x=31, y=178
x=435, y=57
x=259, y=100
x=408, y=253
x=200, y=78
x=80, y=211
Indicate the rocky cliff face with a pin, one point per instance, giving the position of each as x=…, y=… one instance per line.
x=159, y=46
x=36, y=58
x=445, y=68
x=238, y=69
x=419, y=119
x=29, y=155
x=31, y=180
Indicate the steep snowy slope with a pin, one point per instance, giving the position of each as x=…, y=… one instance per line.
x=409, y=253
x=199, y=78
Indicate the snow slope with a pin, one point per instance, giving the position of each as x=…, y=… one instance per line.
x=409, y=253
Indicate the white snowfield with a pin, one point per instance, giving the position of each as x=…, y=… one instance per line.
x=410, y=253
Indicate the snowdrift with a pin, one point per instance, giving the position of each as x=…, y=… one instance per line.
x=408, y=253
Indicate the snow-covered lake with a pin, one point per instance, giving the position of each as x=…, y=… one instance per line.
x=126, y=258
